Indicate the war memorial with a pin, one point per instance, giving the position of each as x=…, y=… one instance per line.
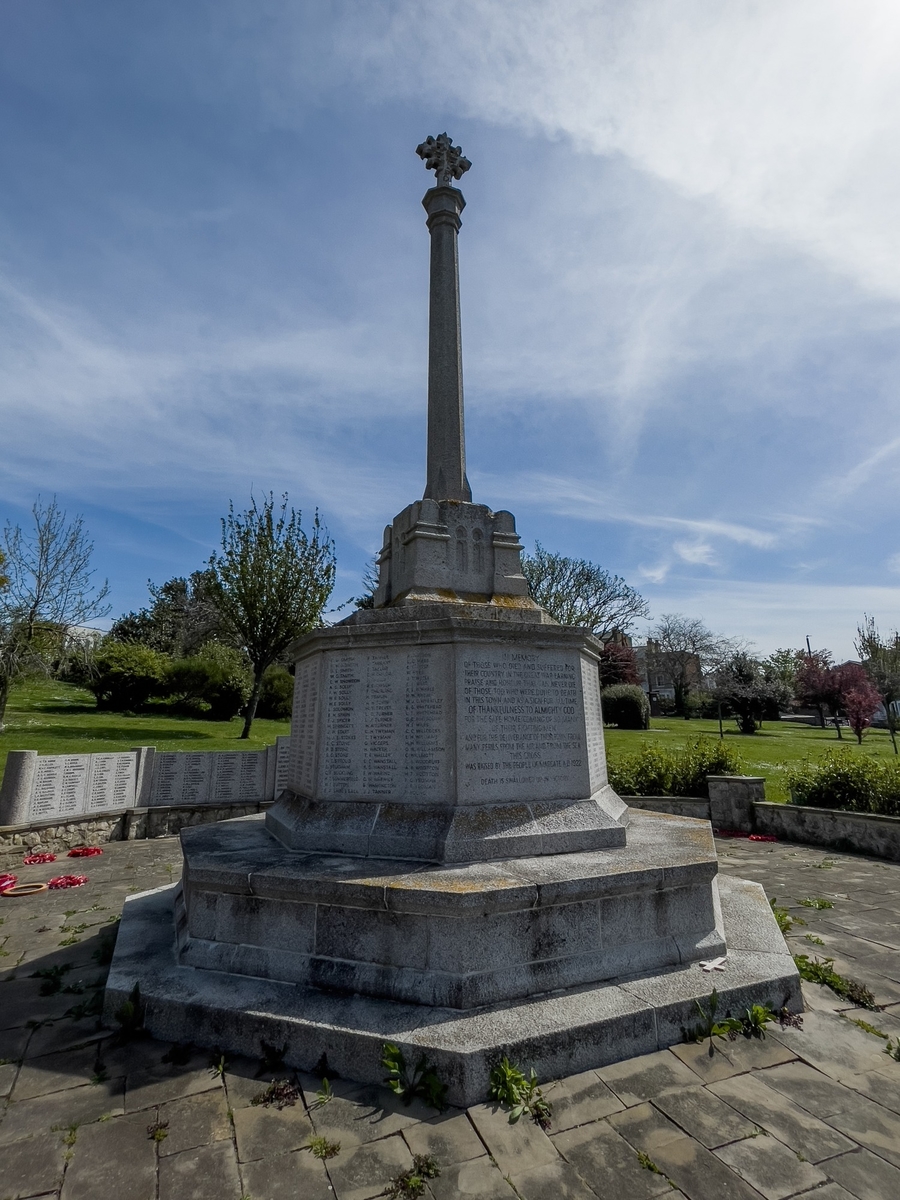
x=447, y=867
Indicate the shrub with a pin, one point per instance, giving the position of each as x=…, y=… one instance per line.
x=625, y=705
x=125, y=676
x=658, y=772
x=847, y=780
x=276, y=697
x=217, y=679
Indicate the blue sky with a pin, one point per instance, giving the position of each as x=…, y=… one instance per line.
x=680, y=283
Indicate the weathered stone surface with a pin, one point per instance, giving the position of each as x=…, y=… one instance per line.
x=579, y=1099
x=705, y=1117
x=457, y=937
x=111, y=1160
x=32, y=1166
x=194, y=1121
x=363, y=1171
x=447, y=739
x=449, y=1138
x=784, y=1120
x=561, y=1034
x=296, y=1174
x=608, y=1163
x=516, y=1147
x=479, y=1178
x=775, y=1171
x=558, y=1179
x=864, y=1175
x=206, y=1173
x=261, y=1132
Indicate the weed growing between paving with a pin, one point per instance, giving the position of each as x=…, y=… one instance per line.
x=822, y=971
x=323, y=1095
x=320, y=1147
x=280, y=1093
x=816, y=902
x=518, y=1092
x=422, y=1081
x=158, y=1131
x=892, y=1049
x=867, y=1028
x=753, y=1023
x=409, y=1185
x=785, y=921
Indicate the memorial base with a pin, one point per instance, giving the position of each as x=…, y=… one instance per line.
x=559, y=1032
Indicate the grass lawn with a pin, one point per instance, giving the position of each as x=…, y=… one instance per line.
x=56, y=718
x=767, y=753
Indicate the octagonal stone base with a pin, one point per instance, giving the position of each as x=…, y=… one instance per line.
x=456, y=936
x=559, y=1033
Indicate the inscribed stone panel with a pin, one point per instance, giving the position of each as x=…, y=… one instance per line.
x=521, y=725
x=593, y=723
x=282, y=765
x=237, y=775
x=61, y=784
x=112, y=783
x=302, y=759
x=181, y=778
x=384, y=724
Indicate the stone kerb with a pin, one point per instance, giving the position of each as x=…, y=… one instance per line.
x=59, y=788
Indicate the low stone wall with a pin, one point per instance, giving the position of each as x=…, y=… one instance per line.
x=133, y=824
x=732, y=799
x=679, y=806
x=860, y=833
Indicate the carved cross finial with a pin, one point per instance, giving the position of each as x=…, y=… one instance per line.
x=445, y=159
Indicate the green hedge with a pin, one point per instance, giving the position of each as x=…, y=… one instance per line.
x=848, y=780
x=625, y=705
x=656, y=771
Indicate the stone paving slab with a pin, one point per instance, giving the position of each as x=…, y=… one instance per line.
x=679, y=1122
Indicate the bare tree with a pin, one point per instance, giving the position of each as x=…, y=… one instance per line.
x=271, y=582
x=49, y=591
x=577, y=592
x=681, y=650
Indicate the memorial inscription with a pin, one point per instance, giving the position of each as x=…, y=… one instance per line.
x=520, y=725
x=385, y=721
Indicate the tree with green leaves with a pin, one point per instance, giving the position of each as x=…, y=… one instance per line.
x=577, y=592
x=271, y=582
x=881, y=658
x=750, y=692
x=48, y=593
x=181, y=618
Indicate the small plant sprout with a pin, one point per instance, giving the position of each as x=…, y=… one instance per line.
x=782, y=916
x=158, y=1131
x=867, y=1028
x=422, y=1080
x=518, y=1092
x=813, y=940
x=647, y=1163
x=892, y=1049
x=817, y=902
x=411, y=1184
x=218, y=1067
x=323, y=1095
x=320, y=1147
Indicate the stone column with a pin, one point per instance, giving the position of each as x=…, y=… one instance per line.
x=446, y=468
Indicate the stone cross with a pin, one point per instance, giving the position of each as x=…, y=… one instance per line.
x=445, y=159
x=446, y=466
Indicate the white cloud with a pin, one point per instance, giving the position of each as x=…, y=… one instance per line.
x=893, y=564
x=785, y=112
x=697, y=551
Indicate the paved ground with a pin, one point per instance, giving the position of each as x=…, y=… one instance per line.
x=812, y=1112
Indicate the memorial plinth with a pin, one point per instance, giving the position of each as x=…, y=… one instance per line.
x=447, y=868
